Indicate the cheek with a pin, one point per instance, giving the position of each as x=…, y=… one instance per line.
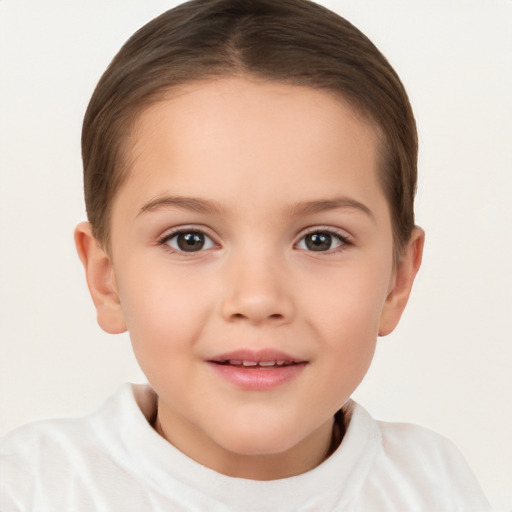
x=344, y=310
x=163, y=310
x=350, y=299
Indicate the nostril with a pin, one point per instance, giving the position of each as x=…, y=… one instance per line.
x=256, y=308
x=241, y=316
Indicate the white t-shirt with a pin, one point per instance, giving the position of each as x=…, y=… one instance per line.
x=113, y=460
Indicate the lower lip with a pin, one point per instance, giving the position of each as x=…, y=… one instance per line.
x=260, y=378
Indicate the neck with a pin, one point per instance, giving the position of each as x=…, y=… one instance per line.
x=302, y=457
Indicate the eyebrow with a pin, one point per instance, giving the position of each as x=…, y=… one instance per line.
x=186, y=203
x=312, y=207
x=302, y=208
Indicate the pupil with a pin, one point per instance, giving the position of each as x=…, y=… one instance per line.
x=190, y=242
x=319, y=241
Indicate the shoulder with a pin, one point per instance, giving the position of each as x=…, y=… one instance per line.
x=36, y=452
x=421, y=449
x=65, y=436
x=406, y=442
x=33, y=442
x=420, y=468
x=44, y=457
x=402, y=437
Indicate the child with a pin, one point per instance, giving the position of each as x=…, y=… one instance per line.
x=249, y=171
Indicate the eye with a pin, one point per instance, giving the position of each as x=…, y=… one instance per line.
x=321, y=241
x=188, y=241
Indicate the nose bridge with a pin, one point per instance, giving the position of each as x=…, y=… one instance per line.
x=257, y=288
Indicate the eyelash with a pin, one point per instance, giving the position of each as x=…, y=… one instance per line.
x=344, y=240
x=164, y=240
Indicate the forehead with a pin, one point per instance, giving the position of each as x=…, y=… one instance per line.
x=237, y=137
x=250, y=104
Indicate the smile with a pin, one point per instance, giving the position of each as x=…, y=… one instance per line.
x=256, y=364
x=259, y=370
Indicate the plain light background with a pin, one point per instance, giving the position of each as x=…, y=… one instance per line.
x=448, y=365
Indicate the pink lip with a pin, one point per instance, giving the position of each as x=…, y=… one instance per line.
x=257, y=378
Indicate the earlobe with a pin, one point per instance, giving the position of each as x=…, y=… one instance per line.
x=406, y=271
x=100, y=280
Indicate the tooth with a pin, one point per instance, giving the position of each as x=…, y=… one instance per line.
x=280, y=363
x=249, y=363
x=267, y=363
x=236, y=362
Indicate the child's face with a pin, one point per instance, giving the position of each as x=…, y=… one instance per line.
x=252, y=227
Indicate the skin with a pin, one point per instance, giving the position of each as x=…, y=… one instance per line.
x=266, y=164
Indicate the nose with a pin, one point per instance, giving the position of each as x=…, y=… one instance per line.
x=257, y=291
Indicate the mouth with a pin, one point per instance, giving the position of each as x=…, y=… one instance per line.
x=257, y=370
x=252, y=364
x=257, y=359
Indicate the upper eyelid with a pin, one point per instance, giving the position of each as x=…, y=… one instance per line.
x=171, y=232
x=342, y=233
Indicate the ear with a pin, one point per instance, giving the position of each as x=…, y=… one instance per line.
x=405, y=272
x=100, y=279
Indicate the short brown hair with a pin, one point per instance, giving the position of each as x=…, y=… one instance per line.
x=290, y=41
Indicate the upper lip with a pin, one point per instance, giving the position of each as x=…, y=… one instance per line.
x=256, y=355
